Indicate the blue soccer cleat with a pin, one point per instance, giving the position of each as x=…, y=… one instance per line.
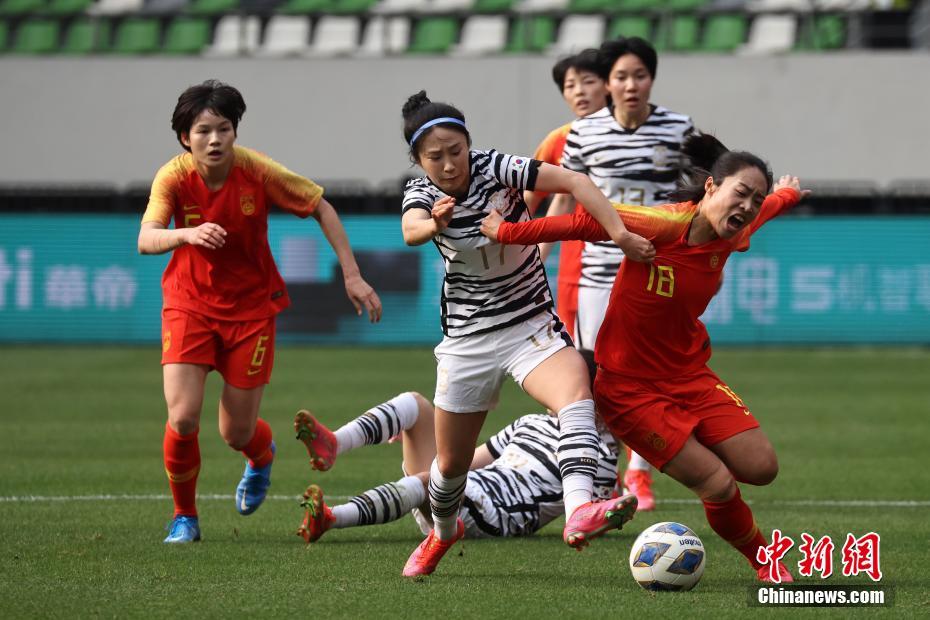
x=183, y=530
x=253, y=487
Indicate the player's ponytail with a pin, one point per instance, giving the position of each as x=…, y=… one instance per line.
x=421, y=115
x=708, y=157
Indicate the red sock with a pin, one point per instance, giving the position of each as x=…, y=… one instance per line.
x=258, y=450
x=182, y=464
x=733, y=522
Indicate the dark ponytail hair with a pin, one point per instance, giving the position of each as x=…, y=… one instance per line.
x=419, y=110
x=708, y=157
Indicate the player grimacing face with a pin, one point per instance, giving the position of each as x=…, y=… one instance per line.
x=735, y=203
x=211, y=140
x=584, y=92
x=443, y=155
x=630, y=85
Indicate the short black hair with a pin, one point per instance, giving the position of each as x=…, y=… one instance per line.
x=221, y=99
x=586, y=60
x=610, y=51
x=419, y=110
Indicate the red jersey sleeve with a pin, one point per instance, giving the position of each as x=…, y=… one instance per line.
x=288, y=190
x=659, y=224
x=165, y=189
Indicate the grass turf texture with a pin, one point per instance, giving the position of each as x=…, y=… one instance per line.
x=848, y=424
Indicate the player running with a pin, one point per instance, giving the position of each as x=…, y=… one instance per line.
x=222, y=290
x=653, y=387
x=513, y=487
x=496, y=315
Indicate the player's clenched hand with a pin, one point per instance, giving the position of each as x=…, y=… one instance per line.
x=208, y=235
x=442, y=212
x=636, y=248
x=491, y=224
x=363, y=297
x=792, y=182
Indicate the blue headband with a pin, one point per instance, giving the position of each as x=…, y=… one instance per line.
x=435, y=121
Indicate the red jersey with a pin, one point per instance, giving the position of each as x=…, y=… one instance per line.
x=240, y=280
x=652, y=329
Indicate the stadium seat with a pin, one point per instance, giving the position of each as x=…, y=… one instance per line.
x=114, y=7
x=492, y=6
x=36, y=36
x=335, y=35
x=483, y=34
x=447, y=6
x=771, y=34
x=682, y=6
x=399, y=6
x=769, y=6
x=536, y=6
x=212, y=7
x=825, y=32
x=137, y=35
x=635, y=26
x=352, y=7
x=234, y=36
x=589, y=6
x=20, y=7
x=531, y=34
x=286, y=35
x=163, y=7
x=303, y=7
x=187, y=35
x=679, y=33
x=578, y=32
x=433, y=35
x=723, y=33
x=636, y=5
x=86, y=36
x=66, y=7
x=385, y=35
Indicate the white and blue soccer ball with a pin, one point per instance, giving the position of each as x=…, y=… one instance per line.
x=667, y=556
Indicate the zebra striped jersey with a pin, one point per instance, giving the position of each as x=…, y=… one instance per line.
x=523, y=483
x=487, y=286
x=638, y=167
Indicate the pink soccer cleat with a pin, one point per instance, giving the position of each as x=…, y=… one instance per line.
x=594, y=518
x=426, y=556
x=639, y=483
x=783, y=574
x=320, y=441
x=318, y=519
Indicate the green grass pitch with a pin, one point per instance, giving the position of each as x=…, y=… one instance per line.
x=77, y=422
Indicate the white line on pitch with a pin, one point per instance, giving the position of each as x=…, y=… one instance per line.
x=22, y=499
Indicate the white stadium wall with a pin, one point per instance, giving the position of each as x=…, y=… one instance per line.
x=844, y=116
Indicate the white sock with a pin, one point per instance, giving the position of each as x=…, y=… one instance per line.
x=577, y=454
x=379, y=423
x=445, y=496
x=638, y=462
x=382, y=504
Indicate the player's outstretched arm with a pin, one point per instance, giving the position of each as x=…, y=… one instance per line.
x=561, y=180
x=419, y=226
x=360, y=293
x=155, y=238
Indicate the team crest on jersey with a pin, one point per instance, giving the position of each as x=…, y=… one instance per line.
x=660, y=157
x=714, y=261
x=247, y=204
x=656, y=440
x=519, y=164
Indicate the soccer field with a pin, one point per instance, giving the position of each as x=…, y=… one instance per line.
x=83, y=498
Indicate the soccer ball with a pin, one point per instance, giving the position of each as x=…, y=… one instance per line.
x=667, y=556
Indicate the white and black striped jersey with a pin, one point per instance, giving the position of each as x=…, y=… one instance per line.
x=487, y=286
x=522, y=487
x=638, y=167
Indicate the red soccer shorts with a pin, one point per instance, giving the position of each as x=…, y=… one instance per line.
x=655, y=417
x=566, y=305
x=241, y=351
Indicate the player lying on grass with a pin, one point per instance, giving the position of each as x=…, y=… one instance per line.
x=513, y=488
x=653, y=388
